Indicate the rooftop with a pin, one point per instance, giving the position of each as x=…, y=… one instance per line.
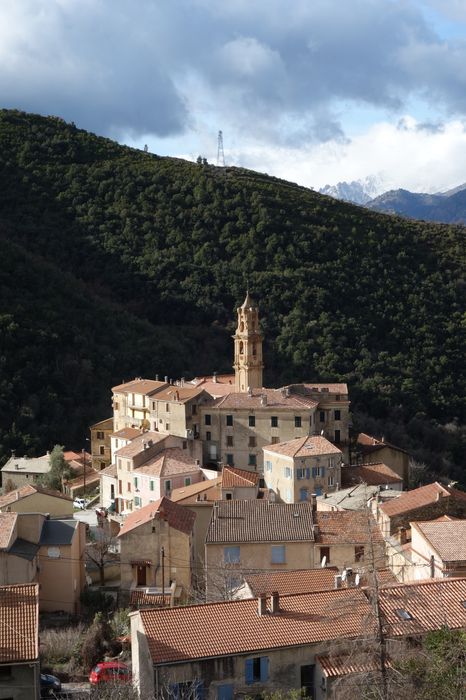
x=180, y=394
x=28, y=465
x=232, y=477
x=111, y=471
x=275, y=398
x=409, y=501
x=353, y=498
x=136, y=445
x=178, y=517
x=19, y=623
x=169, y=462
x=260, y=521
x=346, y=527
x=29, y=490
x=287, y=582
x=326, y=388
x=184, y=633
x=369, y=444
x=447, y=537
x=140, y=386
x=58, y=532
x=7, y=528
x=204, y=491
x=307, y=446
x=377, y=474
x=127, y=433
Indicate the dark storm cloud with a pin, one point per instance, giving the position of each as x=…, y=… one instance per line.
x=268, y=64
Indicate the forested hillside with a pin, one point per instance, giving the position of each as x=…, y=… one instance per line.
x=117, y=262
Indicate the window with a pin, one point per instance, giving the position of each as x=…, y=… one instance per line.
x=5, y=673
x=185, y=444
x=403, y=614
x=257, y=669
x=167, y=426
x=229, y=496
x=207, y=419
x=194, y=409
x=252, y=441
x=168, y=486
x=137, y=501
x=252, y=461
x=229, y=460
x=187, y=689
x=229, y=440
x=331, y=481
x=278, y=554
x=297, y=421
x=275, y=440
x=274, y=421
x=231, y=555
x=303, y=473
x=288, y=498
x=135, y=481
x=187, y=481
x=208, y=436
x=120, y=486
x=129, y=486
x=322, y=416
x=252, y=421
x=288, y=472
x=318, y=490
x=154, y=405
x=167, y=408
x=116, y=405
x=101, y=449
x=102, y=465
x=325, y=552
x=225, y=691
x=268, y=465
x=100, y=435
x=151, y=485
x=337, y=435
x=359, y=553
x=337, y=414
x=230, y=420
x=303, y=494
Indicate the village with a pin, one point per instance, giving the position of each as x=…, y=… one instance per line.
x=257, y=543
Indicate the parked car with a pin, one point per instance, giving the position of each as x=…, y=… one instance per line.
x=49, y=685
x=110, y=672
x=80, y=503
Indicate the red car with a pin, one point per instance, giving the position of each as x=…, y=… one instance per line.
x=110, y=672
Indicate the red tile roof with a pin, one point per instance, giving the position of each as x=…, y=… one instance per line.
x=29, y=490
x=140, y=598
x=417, y=498
x=370, y=444
x=287, y=582
x=276, y=398
x=447, y=537
x=335, y=666
x=260, y=521
x=127, y=433
x=377, y=474
x=179, y=394
x=332, y=388
x=169, y=462
x=202, y=492
x=140, y=386
x=304, y=447
x=136, y=445
x=178, y=517
x=19, y=623
x=7, y=528
x=345, y=527
x=232, y=477
x=234, y=627
x=111, y=471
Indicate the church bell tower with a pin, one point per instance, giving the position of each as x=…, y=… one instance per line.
x=248, y=364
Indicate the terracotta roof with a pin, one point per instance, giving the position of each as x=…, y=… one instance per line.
x=209, y=489
x=106, y=424
x=7, y=527
x=371, y=444
x=432, y=604
x=335, y=666
x=27, y=465
x=136, y=446
x=448, y=538
x=111, y=471
x=29, y=490
x=345, y=527
x=307, y=446
x=260, y=521
x=139, y=598
x=19, y=623
x=92, y=477
x=169, y=462
x=216, y=389
x=178, y=517
x=377, y=474
x=287, y=582
x=232, y=477
x=127, y=433
x=276, y=398
x=334, y=388
x=234, y=627
x=418, y=498
x=140, y=386
x=221, y=379
x=179, y=394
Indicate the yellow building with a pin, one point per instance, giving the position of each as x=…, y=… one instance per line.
x=100, y=443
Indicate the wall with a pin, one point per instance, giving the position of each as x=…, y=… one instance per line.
x=288, y=489
x=42, y=503
x=23, y=684
x=395, y=459
x=62, y=578
x=445, y=505
x=99, y=460
x=15, y=569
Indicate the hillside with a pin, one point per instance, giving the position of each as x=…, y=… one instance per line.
x=446, y=207
x=118, y=262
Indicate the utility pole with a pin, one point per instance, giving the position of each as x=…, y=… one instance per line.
x=220, y=153
x=84, y=473
x=163, y=576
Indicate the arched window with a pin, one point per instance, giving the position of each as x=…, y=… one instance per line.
x=241, y=347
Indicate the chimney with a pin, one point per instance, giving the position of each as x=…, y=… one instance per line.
x=182, y=381
x=264, y=400
x=313, y=502
x=156, y=377
x=166, y=379
x=198, y=462
x=177, y=395
x=214, y=377
x=215, y=511
x=249, y=391
x=403, y=535
x=338, y=581
x=261, y=605
x=274, y=603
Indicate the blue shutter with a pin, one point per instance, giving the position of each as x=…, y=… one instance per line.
x=225, y=692
x=308, y=473
x=174, y=691
x=264, y=668
x=249, y=671
x=319, y=491
x=314, y=472
x=199, y=693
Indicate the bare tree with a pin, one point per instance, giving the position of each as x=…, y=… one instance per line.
x=101, y=549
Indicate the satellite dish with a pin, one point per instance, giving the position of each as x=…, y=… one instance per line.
x=357, y=580
x=343, y=575
x=323, y=562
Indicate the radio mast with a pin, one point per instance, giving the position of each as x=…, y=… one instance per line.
x=220, y=153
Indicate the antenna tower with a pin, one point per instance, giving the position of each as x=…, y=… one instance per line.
x=220, y=153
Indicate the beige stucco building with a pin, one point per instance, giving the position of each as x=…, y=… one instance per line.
x=100, y=443
x=37, y=499
x=20, y=471
x=296, y=469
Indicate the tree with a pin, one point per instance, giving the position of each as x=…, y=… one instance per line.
x=59, y=470
x=9, y=486
x=101, y=548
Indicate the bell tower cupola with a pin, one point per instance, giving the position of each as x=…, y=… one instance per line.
x=248, y=364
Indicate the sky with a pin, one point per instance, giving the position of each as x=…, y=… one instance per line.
x=313, y=91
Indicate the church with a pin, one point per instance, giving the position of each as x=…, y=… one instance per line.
x=228, y=419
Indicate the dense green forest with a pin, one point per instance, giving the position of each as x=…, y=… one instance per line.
x=117, y=263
